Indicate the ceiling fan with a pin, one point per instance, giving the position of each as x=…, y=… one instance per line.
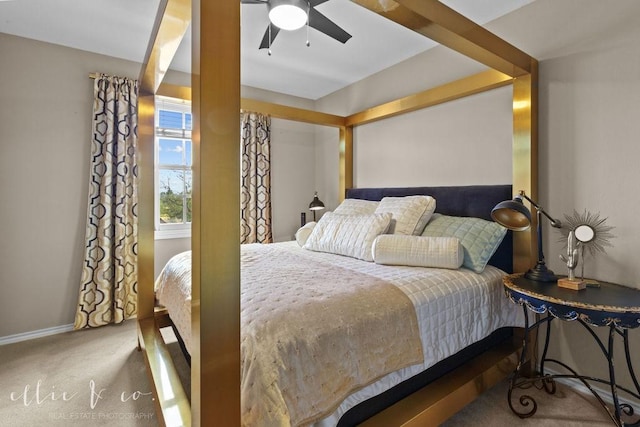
x=294, y=14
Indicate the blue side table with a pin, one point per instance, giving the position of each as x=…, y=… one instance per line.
x=609, y=305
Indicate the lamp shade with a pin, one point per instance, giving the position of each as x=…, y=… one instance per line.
x=288, y=14
x=316, y=204
x=512, y=214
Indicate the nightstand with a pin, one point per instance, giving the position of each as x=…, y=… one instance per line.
x=609, y=305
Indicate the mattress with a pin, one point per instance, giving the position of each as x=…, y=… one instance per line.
x=454, y=308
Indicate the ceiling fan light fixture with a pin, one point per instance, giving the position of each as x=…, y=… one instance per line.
x=288, y=14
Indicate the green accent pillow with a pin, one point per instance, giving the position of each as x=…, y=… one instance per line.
x=480, y=238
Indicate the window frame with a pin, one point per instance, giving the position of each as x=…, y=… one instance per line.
x=174, y=230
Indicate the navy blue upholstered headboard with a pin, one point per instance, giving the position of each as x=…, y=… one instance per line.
x=468, y=200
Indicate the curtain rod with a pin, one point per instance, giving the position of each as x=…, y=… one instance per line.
x=94, y=75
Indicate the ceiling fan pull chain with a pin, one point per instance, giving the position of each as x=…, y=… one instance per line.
x=308, y=14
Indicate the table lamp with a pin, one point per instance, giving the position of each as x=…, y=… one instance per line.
x=315, y=205
x=514, y=215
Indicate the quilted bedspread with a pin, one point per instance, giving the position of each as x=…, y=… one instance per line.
x=312, y=333
x=454, y=308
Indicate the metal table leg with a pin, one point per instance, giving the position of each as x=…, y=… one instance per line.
x=518, y=382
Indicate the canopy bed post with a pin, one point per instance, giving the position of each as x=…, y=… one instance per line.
x=346, y=160
x=215, y=366
x=172, y=21
x=525, y=157
x=146, y=110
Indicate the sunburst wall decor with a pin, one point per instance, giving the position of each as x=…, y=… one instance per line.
x=601, y=232
x=591, y=232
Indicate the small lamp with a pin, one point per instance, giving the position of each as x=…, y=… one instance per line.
x=514, y=215
x=315, y=205
x=288, y=14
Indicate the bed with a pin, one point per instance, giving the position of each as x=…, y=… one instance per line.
x=215, y=394
x=310, y=312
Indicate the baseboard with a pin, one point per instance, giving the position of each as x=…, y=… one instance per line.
x=604, y=392
x=25, y=336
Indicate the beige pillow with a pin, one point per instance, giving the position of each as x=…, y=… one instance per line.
x=356, y=207
x=410, y=214
x=349, y=235
x=304, y=232
x=418, y=251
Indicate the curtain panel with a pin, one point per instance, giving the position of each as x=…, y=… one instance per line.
x=108, y=290
x=255, y=179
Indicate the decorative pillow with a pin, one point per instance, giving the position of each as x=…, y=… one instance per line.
x=480, y=238
x=356, y=207
x=304, y=232
x=349, y=235
x=410, y=214
x=418, y=251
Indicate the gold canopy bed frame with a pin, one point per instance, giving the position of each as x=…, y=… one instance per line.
x=215, y=94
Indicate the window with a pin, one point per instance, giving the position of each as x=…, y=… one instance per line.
x=173, y=173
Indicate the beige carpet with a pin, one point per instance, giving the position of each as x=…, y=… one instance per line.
x=83, y=378
x=97, y=377
x=564, y=408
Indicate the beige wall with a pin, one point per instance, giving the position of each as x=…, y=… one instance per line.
x=590, y=104
x=292, y=175
x=45, y=119
x=461, y=142
x=292, y=164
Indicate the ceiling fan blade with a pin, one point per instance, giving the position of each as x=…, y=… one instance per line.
x=314, y=3
x=323, y=24
x=265, y=39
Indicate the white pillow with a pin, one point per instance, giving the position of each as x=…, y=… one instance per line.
x=410, y=213
x=418, y=251
x=356, y=207
x=304, y=232
x=349, y=235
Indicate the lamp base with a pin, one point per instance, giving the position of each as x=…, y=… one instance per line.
x=540, y=273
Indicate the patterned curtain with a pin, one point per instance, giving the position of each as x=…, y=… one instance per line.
x=108, y=292
x=255, y=180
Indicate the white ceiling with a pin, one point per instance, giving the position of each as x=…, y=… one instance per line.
x=121, y=28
